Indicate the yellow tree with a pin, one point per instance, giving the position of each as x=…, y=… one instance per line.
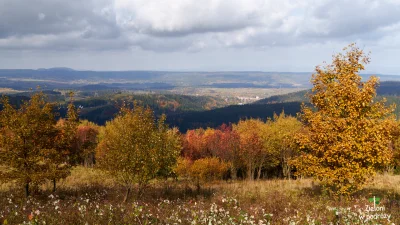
x=27, y=135
x=135, y=149
x=202, y=170
x=348, y=133
x=281, y=142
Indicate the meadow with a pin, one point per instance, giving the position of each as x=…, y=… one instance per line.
x=89, y=196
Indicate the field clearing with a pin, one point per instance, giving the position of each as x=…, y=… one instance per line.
x=234, y=92
x=9, y=91
x=89, y=196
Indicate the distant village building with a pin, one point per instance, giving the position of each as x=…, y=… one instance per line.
x=244, y=100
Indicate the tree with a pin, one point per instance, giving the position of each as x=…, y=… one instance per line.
x=171, y=147
x=251, y=145
x=202, y=170
x=229, y=149
x=395, y=165
x=134, y=148
x=348, y=134
x=28, y=138
x=194, y=146
x=222, y=143
x=280, y=140
x=87, y=142
x=60, y=159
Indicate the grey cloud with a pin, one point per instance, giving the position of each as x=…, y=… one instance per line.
x=342, y=18
x=35, y=17
x=191, y=26
x=181, y=18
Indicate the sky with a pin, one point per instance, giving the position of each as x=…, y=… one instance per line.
x=196, y=35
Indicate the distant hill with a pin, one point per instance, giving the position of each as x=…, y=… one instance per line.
x=386, y=88
x=389, y=88
x=185, y=111
x=291, y=97
x=67, y=78
x=230, y=114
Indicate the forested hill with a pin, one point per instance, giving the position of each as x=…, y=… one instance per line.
x=389, y=89
x=299, y=96
x=265, y=108
x=231, y=114
x=189, y=112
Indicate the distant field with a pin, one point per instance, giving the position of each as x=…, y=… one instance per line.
x=234, y=95
x=8, y=91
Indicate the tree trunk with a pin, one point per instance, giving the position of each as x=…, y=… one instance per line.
x=233, y=173
x=198, y=186
x=27, y=189
x=259, y=173
x=128, y=191
x=250, y=173
x=54, y=185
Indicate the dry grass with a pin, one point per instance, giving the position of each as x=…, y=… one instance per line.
x=89, y=196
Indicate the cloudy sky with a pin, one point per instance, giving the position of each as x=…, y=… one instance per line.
x=266, y=35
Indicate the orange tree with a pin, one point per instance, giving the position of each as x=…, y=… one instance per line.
x=202, y=170
x=348, y=133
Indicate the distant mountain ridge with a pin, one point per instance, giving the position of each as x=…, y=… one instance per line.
x=62, y=77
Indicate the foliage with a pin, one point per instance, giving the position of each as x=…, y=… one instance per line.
x=202, y=170
x=208, y=169
x=347, y=137
x=30, y=143
x=63, y=157
x=280, y=140
x=395, y=165
x=134, y=148
x=171, y=141
x=86, y=142
x=252, y=147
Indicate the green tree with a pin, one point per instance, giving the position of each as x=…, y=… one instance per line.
x=348, y=134
x=135, y=149
x=28, y=136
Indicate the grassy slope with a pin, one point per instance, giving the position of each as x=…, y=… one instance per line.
x=89, y=196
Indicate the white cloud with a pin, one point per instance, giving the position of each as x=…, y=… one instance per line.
x=41, y=16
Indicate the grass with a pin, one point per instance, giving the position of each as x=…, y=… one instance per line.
x=90, y=197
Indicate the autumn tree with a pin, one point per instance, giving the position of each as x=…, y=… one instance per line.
x=222, y=143
x=28, y=138
x=347, y=135
x=280, y=141
x=202, y=170
x=251, y=145
x=229, y=149
x=134, y=148
x=395, y=165
x=171, y=146
x=86, y=143
x=60, y=159
x=193, y=144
